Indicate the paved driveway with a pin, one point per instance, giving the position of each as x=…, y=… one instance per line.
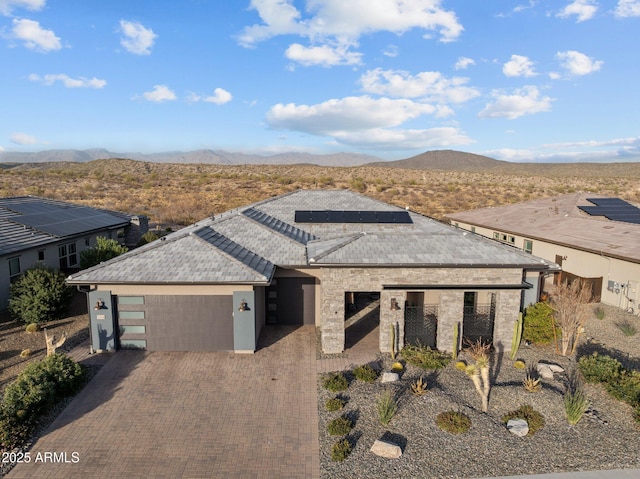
x=192, y=415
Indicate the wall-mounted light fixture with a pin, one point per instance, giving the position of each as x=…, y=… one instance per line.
x=244, y=306
x=394, y=304
x=564, y=258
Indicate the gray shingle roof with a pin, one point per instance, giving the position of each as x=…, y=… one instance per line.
x=246, y=245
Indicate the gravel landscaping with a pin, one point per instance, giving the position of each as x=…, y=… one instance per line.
x=606, y=438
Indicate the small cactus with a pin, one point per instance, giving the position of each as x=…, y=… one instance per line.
x=519, y=364
x=397, y=367
x=532, y=382
x=25, y=353
x=31, y=328
x=419, y=387
x=461, y=366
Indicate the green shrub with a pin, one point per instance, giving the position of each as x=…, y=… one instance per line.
x=626, y=388
x=599, y=312
x=40, y=295
x=636, y=415
x=32, y=328
x=424, y=357
x=519, y=364
x=334, y=404
x=365, y=373
x=38, y=387
x=340, y=450
x=575, y=405
x=627, y=328
x=387, y=407
x=148, y=237
x=599, y=368
x=104, y=250
x=534, y=419
x=335, y=382
x=538, y=324
x=339, y=426
x=454, y=422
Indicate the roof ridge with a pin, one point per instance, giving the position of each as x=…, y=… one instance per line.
x=306, y=236
x=348, y=240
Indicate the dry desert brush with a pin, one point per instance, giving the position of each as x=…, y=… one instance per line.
x=534, y=419
x=424, y=357
x=454, y=422
x=570, y=312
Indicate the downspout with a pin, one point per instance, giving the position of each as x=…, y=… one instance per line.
x=87, y=289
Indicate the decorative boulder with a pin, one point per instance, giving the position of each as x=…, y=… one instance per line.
x=389, y=377
x=546, y=370
x=519, y=427
x=386, y=449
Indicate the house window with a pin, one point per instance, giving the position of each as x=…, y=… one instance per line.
x=503, y=237
x=131, y=314
x=512, y=239
x=87, y=242
x=130, y=299
x=41, y=256
x=14, y=267
x=496, y=235
x=68, y=256
x=528, y=246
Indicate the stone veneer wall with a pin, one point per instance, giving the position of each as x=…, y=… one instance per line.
x=336, y=281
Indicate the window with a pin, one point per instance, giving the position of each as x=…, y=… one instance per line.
x=528, y=246
x=130, y=299
x=131, y=314
x=41, y=255
x=512, y=239
x=14, y=267
x=133, y=344
x=129, y=329
x=496, y=235
x=87, y=242
x=68, y=256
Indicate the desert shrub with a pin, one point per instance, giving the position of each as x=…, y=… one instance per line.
x=461, y=366
x=335, y=382
x=532, y=382
x=424, y=357
x=334, y=404
x=626, y=388
x=636, y=415
x=104, y=250
x=519, y=364
x=387, y=407
x=38, y=387
x=365, y=373
x=537, y=326
x=534, y=419
x=32, y=328
x=599, y=368
x=627, y=328
x=419, y=387
x=340, y=450
x=339, y=426
x=575, y=405
x=148, y=237
x=40, y=295
x=454, y=422
x=599, y=312
x=25, y=353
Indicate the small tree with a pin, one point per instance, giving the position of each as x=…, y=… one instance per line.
x=104, y=250
x=570, y=312
x=40, y=295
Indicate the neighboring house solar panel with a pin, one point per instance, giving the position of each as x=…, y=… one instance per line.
x=350, y=216
x=68, y=221
x=614, y=209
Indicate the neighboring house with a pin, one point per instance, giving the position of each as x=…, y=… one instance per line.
x=53, y=233
x=592, y=238
x=301, y=258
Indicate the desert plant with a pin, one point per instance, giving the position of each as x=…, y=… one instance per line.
x=387, y=407
x=454, y=422
x=104, y=250
x=537, y=324
x=424, y=357
x=334, y=404
x=479, y=372
x=340, y=450
x=25, y=353
x=335, y=382
x=419, y=387
x=40, y=295
x=598, y=368
x=570, y=312
x=51, y=342
x=393, y=341
x=517, y=337
x=339, y=426
x=32, y=328
x=599, y=312
x=534, y=419
x=397, y=367
x=626, y=387
x=456, y=340
x=519, y=364
x=365, y=373
x=461, y=366
x=148, y=237
x=627, y=328
x=532, y=382
x=575, y=405
x=478, y=349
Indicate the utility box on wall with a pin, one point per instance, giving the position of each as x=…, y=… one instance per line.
x=244, y=322
x=103, y=331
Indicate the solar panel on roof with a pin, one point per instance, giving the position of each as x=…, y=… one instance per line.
x=350, y=216
x=69, y=221
x=613, y=209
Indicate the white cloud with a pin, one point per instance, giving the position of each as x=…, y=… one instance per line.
x=137, y=39
x=159, y=94
x=220, y=97
x=399, y=139
x=430, y=86
x=463, y=63
x=34, y=36
x=628, y=8
x=519, y=66
x=23, y=139
x=7, y=6
x=324, y=55
x=391, y=51
x=582, y=9
x=578, y=63
x=337, y=23
x=524, y=101
x=67, y=81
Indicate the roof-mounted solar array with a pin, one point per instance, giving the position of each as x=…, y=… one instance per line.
x=68, y=221
x=344, y=216
x=614, y=209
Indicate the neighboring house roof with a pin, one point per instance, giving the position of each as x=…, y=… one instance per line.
x=560, y=220
x=247, y=244
x=27, y=222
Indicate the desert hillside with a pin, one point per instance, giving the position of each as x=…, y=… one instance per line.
x=179, y=194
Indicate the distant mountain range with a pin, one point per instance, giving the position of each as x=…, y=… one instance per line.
x=213, y=157
x=445, y=160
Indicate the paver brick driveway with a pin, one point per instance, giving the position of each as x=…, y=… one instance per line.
x=192, y=415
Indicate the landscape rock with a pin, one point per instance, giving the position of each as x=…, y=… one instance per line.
x=519, y=427
x=389, y=377
x=547, y=370
x=386, y=449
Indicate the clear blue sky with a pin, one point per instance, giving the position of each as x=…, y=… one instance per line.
x=516, y=80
